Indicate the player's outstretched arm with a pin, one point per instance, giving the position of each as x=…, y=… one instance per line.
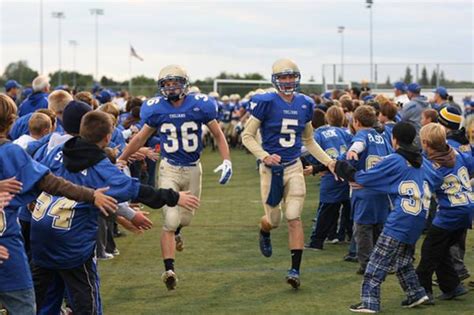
x=58, y=186
x=157, y=198
x=249, y=138
x=226, y=166
x=3, y=254
x=137, y=142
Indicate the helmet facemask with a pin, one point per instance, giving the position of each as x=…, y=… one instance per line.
x=285, y=85
x=174, y=91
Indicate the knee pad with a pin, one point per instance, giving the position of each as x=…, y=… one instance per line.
x=171, y=219
x=294, y=207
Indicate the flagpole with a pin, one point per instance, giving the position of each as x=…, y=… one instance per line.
x=130, y=72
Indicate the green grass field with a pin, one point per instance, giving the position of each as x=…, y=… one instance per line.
x=221, y=270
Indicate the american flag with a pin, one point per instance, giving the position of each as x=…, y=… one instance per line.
x=133, y=53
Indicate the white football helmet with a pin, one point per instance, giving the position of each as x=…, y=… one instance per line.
x=284, y=68
x=173, y=82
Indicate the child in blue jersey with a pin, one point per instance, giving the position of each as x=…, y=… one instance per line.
x=369, y=208
x=454, y=215
x=450, y=117
x=16, y=287
x=179, y=118
x=333, y=194
x=284, y=121
x=401, y=175
x=63, y=232
x=388, y=111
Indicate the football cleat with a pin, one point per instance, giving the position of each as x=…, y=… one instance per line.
x=265, y=245
x=170, y=279
x=293, y=278
x=179, y=242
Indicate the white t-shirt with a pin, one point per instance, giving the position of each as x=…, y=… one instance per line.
x=24, y=140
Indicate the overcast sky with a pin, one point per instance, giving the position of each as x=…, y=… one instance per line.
x=208, y=37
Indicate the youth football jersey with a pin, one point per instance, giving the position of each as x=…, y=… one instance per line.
x=15, y=162
x=180, y=128
x=63, y=231
x=282, y=123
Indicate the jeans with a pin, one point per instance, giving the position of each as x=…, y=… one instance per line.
x=21, y=302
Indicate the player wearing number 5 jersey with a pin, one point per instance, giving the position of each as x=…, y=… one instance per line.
x=284, y=120
x=403, y=176
x=454, y=215
x=179, y=117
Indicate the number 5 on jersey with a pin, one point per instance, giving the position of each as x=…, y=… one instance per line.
x=189, y=138
x=288, y=142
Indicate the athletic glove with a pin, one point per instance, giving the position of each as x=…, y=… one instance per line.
x=226, y=168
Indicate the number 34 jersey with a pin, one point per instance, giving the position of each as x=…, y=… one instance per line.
x=180, y=128
x=282, y=123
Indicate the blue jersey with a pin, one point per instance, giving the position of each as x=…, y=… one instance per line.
x=63, y=231
x=180, y=128
x=455, y=196
x=118, y=140
x=334, y=141
x=226, y=112
x=14, y=161
x=282, y=123
x=388, y=131
x=20, y=127
x=370, y=207
x=409, y=193
x=34, y=102
x=462, y=148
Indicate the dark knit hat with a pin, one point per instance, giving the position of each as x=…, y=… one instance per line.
x=72, y=116
x=404, y=132
x=450, y=117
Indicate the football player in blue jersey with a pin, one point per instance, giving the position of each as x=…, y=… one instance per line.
x=454, y=215
x=370, y=209
x=401, y=175
x=179, y=117
x=333, y=194
x=63, y=231
x=284, y=121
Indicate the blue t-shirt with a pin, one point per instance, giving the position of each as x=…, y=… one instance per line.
x=180, y=128
x=409, y=192
x=455, y=196
x=15, y=162
x=334, y=141
x=282, y=123
x=370, y=207
x=388, y=131
x=63, y=231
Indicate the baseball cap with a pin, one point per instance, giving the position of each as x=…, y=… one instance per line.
x=414, y=87
x=442, y=91
x=10, y=84
x=400, y=86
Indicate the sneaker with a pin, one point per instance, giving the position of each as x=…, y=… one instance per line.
x=409, y=303
x=107, y=256
x=309, y=247
x=333, y=241
x=430, y=300
x=360, y=308
x=170, y=279
x=179, y=242
x=350, y=258
x=265, y=245
x=293, y=278
x=116, y=252
x=460, y=290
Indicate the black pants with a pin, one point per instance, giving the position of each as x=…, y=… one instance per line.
x=25, y=232
x=435, y=257
x=82, y=283
x=326, y=220
x=366, y=236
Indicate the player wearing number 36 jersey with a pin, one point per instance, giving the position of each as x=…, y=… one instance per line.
x=178, y=117
x=284, y=120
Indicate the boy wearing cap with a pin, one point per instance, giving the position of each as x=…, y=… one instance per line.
x=400, y=91
x=454, y=215
x=401, y=175
x=12, y=89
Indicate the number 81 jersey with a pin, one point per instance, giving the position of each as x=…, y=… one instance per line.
x=180, y=128
x=282, y=123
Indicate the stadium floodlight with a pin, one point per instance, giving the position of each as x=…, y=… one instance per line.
x=340, y=30
x=369, y=6
x=96, y=12
x=59, y=15
x=74, y=44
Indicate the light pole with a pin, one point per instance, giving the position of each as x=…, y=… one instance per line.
x=369, y=6
x=59, y=16
x=340, y=30
x=96, y=12
x=74, y=44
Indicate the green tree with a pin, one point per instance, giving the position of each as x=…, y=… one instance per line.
x=387, y=82
x=424, y=77
x=408, y=76
x=442, y=79
x=434, y=78
x=19, y=71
